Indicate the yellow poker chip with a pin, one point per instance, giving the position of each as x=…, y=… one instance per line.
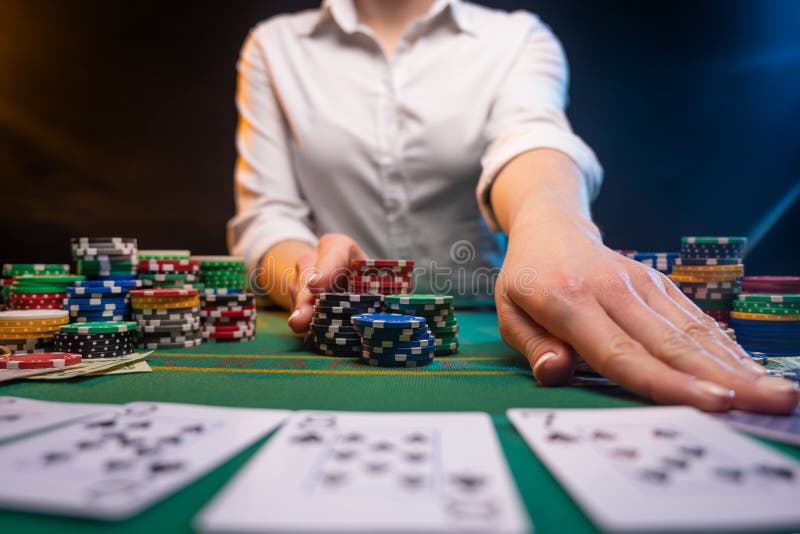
x=34, y=322
x=162, y=300
x=691, y=269
x=764, y=317
x=187, y=303
x=40, y=337
x=26, y=329
x=685, y=278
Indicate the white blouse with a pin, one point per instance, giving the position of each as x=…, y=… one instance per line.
x=397, y=152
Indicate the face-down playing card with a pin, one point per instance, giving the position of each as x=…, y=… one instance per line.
x=115, y=463
x=334, y=471
x=663, y=469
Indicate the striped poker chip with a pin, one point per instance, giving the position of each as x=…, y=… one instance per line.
x=43, y=360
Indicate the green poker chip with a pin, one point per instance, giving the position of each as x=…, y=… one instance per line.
x=106, y=327
x=418, y=299
x=44, y=279
x=19, y=269
x=751, y=307
x=788, y=300
x=711, y=240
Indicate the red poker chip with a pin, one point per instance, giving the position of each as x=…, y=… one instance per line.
x=40, y=360
x=383, y=280
x=229, y=327
x=56, y=306
x=140, y=293
x=381, y=262
x=229, y=335
x=38, y=296
x=170, y=266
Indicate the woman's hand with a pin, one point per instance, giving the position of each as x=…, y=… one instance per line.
x=324, y=268
x=560, y=288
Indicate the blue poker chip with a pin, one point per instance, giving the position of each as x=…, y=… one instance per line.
x=109, y=283
x=96, y=292
x=221, y=291
x=387, y=362
x=399, y=334
x=397, y=352
x=429, y=341
x=96, y=303
x=388, y=321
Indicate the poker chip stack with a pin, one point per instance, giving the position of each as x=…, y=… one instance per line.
x=167, y=318
x=382, y=276
x=709, y=272
x=24, y=331
x=438, y=313
x=40, y=291
x=227, y=315
x=332, y=331
x=12, y=270
x=768, y=323
x=222, y=272
x=394, y=340
x=103, y=258
x=93, y=301
x=106, y=339
x=165, y=273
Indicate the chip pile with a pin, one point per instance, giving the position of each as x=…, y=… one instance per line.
x=439, y=315
x=709, y=272
x=227, y=315
x=382, y=276
x=12, y=270
x=332, y=331
x=41, y=291
x=394, y=340
x=105, y=339
x=222, y=272
x=105, y=257
x=30, y=330
x=167, y=318
x=169, y=273
x=768, y=322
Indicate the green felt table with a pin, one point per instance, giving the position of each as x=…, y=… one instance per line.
x=274, y=371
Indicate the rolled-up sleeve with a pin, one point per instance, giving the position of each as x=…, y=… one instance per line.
x=528, y=113
x=269, y=205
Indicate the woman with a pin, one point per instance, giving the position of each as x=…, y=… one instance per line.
x=367, y=123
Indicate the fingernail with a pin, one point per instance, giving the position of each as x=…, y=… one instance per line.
x=754, y=367
x=777, y=385
x=294, y=315
x=715, y=389
x=542, y=359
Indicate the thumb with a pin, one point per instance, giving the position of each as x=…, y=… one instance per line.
x=551, y=360
x=333, y=262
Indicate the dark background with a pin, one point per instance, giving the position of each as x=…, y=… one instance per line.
x=117, y=118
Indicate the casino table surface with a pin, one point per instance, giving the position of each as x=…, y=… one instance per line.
x=274, y=371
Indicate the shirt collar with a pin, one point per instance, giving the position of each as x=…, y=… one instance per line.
x=343, y=14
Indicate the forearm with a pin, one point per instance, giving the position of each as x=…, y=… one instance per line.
x=278, y=275
x=540, y=187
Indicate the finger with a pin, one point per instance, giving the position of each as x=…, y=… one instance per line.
x=300, y=319
x=614, y=354
x=679, y=301
x=333, y=262
x=551, y=360
x=690, y=347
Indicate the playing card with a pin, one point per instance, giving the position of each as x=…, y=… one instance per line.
x=785, y=428
x=663, y=469
x=373, y=472
x=119, y=461
x=19, y=415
